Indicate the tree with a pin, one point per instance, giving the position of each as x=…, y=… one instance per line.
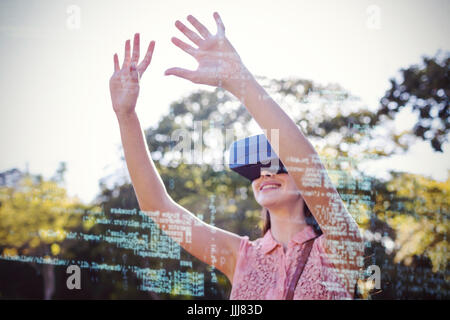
x=407, y=209
x=34, y=218
x=426, y=89
x=418, y=209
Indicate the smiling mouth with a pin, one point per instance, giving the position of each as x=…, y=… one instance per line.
x=271, y=186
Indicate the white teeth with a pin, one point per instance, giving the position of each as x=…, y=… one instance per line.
x=270, y=186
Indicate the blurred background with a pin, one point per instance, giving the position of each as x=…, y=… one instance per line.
x=367, y=81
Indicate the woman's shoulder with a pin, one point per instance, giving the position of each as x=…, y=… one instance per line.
x=248, y=246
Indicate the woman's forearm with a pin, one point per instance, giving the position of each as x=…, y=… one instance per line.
x=198, y=238
x=269, y=115
x=297, y=154
x=148, y=186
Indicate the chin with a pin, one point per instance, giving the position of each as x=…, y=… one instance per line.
x=273, y=200
x=270, y=200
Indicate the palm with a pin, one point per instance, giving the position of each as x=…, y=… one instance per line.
x=124, y=83
x=124, y=92
x=218, y=61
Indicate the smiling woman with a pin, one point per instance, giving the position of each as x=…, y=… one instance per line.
x=293, y=259
x=291, y=235
x=309, y=220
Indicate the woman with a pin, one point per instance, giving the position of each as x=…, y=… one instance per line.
x=269, y=267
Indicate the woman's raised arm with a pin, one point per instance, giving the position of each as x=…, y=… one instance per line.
x=124, y=88
x=212, y=245
x=220, y=65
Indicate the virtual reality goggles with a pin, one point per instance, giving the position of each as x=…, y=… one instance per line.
x=250, y=155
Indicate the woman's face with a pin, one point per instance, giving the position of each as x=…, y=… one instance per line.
x=274, y=189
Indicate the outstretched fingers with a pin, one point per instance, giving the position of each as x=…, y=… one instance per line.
x=116, y=63
x=136, y=49
x=182, y=73
x=220, y=25
x=126, y=60
x=199, y=26
x=147, y=59
x=194, y=37
x=184, y=46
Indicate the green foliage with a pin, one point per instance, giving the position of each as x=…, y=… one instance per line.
x=419, y=211
x=342, y=128
x=410, y=210
x=35, y=216
x=425, y=88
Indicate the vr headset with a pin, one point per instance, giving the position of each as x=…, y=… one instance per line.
x=249, y=155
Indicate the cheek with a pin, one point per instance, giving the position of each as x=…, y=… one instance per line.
x=289, y=187
x=254, y=188
x=290, y=183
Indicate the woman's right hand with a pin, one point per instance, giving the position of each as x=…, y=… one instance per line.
x=218, y=61
x=124, y=83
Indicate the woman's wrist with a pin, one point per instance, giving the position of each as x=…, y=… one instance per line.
x=126, y=115
x=240, y=83
x=246, y=88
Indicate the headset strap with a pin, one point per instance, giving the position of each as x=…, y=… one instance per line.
x=301, y=265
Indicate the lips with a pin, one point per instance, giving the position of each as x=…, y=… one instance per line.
x=269, y=185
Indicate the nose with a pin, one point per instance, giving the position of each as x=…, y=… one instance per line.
x=266, y=173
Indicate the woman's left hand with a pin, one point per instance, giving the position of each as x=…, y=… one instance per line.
x=219, y=63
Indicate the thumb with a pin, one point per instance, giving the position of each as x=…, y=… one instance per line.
x=182, y=73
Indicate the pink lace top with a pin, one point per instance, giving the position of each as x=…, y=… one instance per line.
x=264, y=270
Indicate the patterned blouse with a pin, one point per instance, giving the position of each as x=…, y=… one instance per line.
x=264, y=270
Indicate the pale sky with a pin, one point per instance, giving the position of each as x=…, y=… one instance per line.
x=55, y=103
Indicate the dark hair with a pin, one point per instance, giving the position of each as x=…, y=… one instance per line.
x=309, y=218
